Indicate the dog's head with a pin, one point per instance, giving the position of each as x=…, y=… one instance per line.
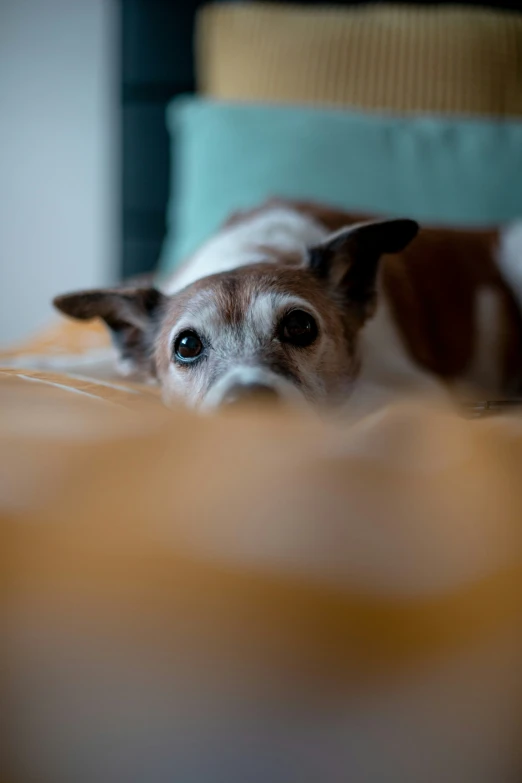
x=285, y=330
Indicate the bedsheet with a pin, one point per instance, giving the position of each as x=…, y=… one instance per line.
x=255, y=597
x=252, y=596
x=75, y=357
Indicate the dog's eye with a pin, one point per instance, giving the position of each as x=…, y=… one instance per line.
x=188, y=346
x=298, y=328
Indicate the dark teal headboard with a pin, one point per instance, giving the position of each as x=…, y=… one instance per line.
x=157, y=64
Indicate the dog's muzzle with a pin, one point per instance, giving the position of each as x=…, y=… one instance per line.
x=251, y=385
x=250, y=394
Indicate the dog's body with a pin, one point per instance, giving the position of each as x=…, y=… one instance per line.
x=445, y=317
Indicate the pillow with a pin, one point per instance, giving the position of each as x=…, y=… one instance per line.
x=382, y=57
x=233, y=156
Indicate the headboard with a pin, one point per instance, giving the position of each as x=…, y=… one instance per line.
x=157, y=64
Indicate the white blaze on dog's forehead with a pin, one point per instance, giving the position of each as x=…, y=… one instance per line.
x=281, y=228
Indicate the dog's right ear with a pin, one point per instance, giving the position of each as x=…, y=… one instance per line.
x=132, y=315
x=348, y=260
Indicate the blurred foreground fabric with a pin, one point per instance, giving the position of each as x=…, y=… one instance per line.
x=257, y=597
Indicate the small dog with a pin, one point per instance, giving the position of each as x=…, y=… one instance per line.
x=296, y=301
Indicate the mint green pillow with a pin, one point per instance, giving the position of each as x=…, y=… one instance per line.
x=233, y=156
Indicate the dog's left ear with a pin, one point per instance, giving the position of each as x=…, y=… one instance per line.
x=348, y=261
x=132, y=315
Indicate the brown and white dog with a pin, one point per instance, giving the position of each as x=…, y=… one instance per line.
x=302, y=302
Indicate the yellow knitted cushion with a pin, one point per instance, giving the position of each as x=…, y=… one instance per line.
x=404, y=58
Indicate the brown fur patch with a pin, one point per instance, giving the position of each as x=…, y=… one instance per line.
x=432, y=287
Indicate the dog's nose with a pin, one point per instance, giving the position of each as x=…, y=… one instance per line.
x=250, y=393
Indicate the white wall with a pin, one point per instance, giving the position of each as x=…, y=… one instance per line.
x=58, y=154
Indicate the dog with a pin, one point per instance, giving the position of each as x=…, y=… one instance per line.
x=299, y=302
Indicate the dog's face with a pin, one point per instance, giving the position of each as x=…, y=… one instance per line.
x=283, y=331
x=263, y=331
